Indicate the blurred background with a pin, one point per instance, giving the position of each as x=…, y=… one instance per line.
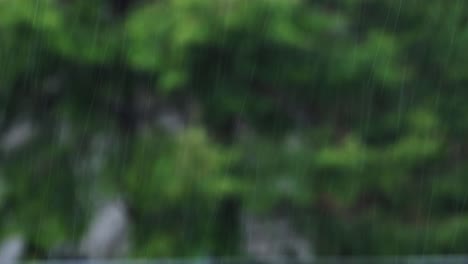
x=267, y=129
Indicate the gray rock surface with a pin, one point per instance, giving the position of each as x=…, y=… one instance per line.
x=272, y=240
x=107, y=236
x=171, y=121
x=17, y=135
x=12, y=250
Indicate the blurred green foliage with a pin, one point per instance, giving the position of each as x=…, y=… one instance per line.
x=355, y=110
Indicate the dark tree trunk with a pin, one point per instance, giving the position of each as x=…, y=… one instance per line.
x=227, y=229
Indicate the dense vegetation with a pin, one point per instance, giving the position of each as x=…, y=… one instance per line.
x=351, y=114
